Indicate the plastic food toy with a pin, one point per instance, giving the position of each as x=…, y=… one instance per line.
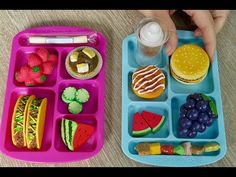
x=198, y=113
x=189, y=64
x=84, y=63
x=40, y=65
x=75, y=98
x=28, y=122
x=183, y=149
x=74, y=135
x=146, y=123
x=148, y=82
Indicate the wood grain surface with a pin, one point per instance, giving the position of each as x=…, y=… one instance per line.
x=116, y=25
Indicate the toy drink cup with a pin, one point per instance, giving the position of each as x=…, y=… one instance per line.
x=151, y=36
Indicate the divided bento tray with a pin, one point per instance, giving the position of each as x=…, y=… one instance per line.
x=168, y=105
x=53, y=149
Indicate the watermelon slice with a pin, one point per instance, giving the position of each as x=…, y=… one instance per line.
x=82, y=134
x=155, y=121
x=74, y=134
x=140, y=126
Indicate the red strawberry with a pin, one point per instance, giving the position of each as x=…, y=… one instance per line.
x=34, y=60
x=41, y=79
x=18, y=77
x=47, y=68
x=36, y=71
x=43, y=53
x=30, y=82
x=24, y=71
x=53, y=58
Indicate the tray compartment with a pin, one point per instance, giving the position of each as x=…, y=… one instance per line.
x=63, y=72
x=211, y=132
x=39, y=93
x=21, y=59
x=89, y=146
x=206, y=86
x=89, y=107
x=132, y=144
x=133, y=97
x=155, y=108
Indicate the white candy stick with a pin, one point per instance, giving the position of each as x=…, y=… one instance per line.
x=57, y=40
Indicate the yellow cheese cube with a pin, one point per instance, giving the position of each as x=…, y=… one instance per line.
x=90, y=53
x=74, y=57
x=82, y=67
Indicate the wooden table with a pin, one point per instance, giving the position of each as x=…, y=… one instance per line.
x=115, y=25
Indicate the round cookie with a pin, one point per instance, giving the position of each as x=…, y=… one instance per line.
x=189, y=64
x=148, y=82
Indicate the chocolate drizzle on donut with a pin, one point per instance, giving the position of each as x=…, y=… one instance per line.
x=148, y=79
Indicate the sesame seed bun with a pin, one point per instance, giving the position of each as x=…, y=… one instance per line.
x=189, y=64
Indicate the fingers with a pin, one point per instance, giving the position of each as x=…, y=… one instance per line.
x=205, y=23
x=198, y=32
x=173, y=38
x=219, y=17
x=172, y=12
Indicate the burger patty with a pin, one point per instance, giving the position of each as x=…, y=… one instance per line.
x=186, y=80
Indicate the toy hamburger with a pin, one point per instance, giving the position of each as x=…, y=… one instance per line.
x=189, y=64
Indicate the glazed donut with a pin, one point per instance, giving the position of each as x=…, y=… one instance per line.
x=148, y=82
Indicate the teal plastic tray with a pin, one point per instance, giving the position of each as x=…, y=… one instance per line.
x=169, y=104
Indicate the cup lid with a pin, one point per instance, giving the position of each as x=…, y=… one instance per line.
x=152, y=34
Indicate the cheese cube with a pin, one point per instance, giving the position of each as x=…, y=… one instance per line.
x=82, y=67
x=74, y=57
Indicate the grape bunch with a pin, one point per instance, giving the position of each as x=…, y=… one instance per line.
x=198, y=113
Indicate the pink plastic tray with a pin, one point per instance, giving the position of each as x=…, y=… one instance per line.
x=53, y=149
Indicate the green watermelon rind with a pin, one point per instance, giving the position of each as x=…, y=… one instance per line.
x=142, y=132
x=70, y=128
x=159, y=126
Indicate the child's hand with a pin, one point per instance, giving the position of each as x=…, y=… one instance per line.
x=208, y=22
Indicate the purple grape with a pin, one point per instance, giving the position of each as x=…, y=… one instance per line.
x=185, y=123
x=183, y=108
x=202, y=128
x=192, y=114
x=202, y=105
x=189, y=97
x=183, y=132
x=182, y=115
x=203, y=117
x=209, y=122
x=200, y=119
x=205, y=106
x=195, y=126
x=192, y=134
x=190, y=104
x=209, y=112
x=197, y=96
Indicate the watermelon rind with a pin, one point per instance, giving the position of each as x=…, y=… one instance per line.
x=69, y=128
x=142, y=132
x=159, y=126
